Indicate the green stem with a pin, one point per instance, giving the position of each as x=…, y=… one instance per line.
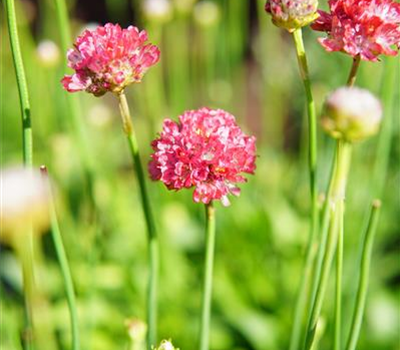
x=73, y=102
x=385, y=137
x=24, y=250
x=312, y=163
x=339, y=272
x=151, y=230
x=364, y=275
x=21, y=82
x=334, y=202
x=64, y=266
x=208, y=275
x=353, y=72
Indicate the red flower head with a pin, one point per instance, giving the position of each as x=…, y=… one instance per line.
x=109, y=58
x=207, y=150
x=361, y=27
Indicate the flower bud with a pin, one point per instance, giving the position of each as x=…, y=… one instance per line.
x=48, y=53
x=292, y=14
x=166, y=345
x=351, y=114
x=157, y=10
x=137, y=330
x=183, y=6
x=25, y=203
x=206, y=13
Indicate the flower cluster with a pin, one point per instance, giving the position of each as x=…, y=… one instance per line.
x=292, y=14
x=352, y=114
x=109, y=58
x=366, y=28
x=207, y=150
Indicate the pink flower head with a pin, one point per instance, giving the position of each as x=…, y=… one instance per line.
x=366, y=28
x=207, y=150
x=292, y=14
x=109, y=58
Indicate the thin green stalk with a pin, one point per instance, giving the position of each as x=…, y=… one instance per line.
x=73, y=102
x=65, y=269
x=385, y=136
x=24, y=251
x=353, y=72
x=151, y=230
x=364, y=275
x=312, y=163
x=339, y=272
x=21, y=82
x=208, y=275
x=334, y=203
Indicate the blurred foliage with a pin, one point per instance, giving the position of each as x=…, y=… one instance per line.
x=232, y=58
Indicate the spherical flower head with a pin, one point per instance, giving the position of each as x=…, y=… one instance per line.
x=206, y=150
x=25, y=204
x=352, y=114
x=292, y=14
x=109, y=58
x=365, y=28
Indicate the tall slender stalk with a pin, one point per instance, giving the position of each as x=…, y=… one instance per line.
x=21, y=82
x=64, y=266
x=364, y=275
x=27, y=155
x=151, y=229
x=391, y=72
x=353, y=72
x=208, y=275
x=335, y=201
x=338, y=292
x=24, y=251
x=73, y=102
x=301, y=302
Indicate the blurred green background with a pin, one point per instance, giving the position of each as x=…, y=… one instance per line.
x=223, y=54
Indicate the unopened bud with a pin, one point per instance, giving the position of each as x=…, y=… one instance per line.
x=183, y=6
x=292, y=14
x=351, y=114
x=158, y=10
x=137, y=331
x=48, y=53
x=206, y=13
x=24, y=203
x=166, y=345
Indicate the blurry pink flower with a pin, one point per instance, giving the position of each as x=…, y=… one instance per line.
x=109, y=58
x=207, y=150
x=361, y=27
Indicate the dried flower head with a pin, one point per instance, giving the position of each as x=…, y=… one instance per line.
x=352, y=114
x=367, y=28
x=292, y=14
x=206, y=150
x=109, y=58
x=25, y=203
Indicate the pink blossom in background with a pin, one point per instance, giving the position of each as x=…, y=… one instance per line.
x=367, y=28
x=109, y=58
x=206, y=150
